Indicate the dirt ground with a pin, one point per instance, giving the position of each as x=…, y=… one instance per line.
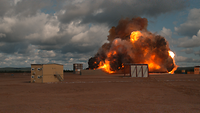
x=159, y=93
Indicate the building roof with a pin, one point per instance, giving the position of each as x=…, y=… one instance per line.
x=47, y=64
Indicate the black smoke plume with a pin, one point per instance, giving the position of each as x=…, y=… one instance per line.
x=139, y=52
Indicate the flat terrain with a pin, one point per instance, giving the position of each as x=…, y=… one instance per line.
x=159, y=93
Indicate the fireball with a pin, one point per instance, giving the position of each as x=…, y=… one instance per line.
x=131, y=42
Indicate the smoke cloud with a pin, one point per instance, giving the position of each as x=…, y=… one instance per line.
x=148, y=48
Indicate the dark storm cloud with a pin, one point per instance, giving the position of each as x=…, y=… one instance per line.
x=36, y=30
x=109, y=11
x=187, y=30
x=197, y=53
x=22, y=20
x=23, y=8
x=76, y=48
x=19, y=47
x=4, y=5
x=31, y=7
x=188, y=50
x=184, y=59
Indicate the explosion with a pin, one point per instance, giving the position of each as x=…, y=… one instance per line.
x=131, y=42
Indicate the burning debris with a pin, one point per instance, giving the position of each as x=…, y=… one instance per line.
x=131, y=42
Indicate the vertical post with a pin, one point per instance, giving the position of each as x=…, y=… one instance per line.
x=142, y=70
x=148, y=70
x=130, y=69
x=124, y=69
x=136, y=70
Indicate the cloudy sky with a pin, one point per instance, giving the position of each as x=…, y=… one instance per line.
x=71, y=31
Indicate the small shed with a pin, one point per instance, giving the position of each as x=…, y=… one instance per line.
x=43, y=73
x=77, y=68
x=197, y=70
x=136, y=70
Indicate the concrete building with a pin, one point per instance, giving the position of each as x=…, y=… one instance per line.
x=43, y=73
x=197, y=70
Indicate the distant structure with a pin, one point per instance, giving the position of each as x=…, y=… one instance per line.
x=197, y=70
x=136, y=70
x=44, y=73
x=77, y=68
x=183, y=71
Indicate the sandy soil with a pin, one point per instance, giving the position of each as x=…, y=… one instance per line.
x=100, y=94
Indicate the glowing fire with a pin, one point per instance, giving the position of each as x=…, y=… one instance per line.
x=150, y=57
x=151, y=64
x=106, y=66
x=135, y=35
x=172, y=55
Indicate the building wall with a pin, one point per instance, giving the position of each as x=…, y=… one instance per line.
x=42, y=73
x=49, y=70
x=36, y=73
x=136, y=70
x=93, y=72
x=59, y=70
x=196, y=70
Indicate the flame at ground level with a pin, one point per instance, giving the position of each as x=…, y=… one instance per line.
x=106, y=67
x=153, y=61
x=172, y=55
x=151, y=64
x=131, y=42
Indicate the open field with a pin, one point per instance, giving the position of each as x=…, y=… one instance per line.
x=101, y=94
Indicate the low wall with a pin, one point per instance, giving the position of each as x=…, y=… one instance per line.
x=93, y=72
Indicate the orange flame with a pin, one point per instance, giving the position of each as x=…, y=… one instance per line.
x=135, y=35
x=172, y=55
x=152, y=61
x=106, y=66
x=151, y=64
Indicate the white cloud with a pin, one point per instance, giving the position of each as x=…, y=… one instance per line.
x=43, y=31
x=74, y=28
x=189, y=43
x=167, y=33
x=98, y=11
x=6, y=24
x=192, y=25
x=96, y=35
x=50, y=31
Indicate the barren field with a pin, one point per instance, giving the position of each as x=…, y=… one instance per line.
x=159, y=93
